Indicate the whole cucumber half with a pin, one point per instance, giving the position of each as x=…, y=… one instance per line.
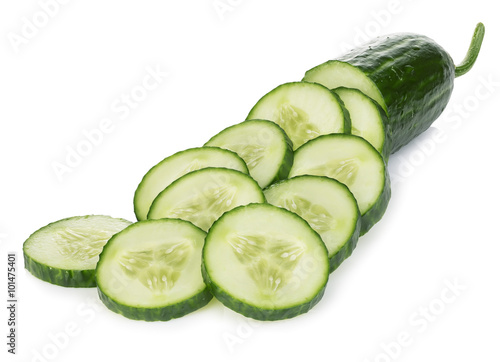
x=409, y=75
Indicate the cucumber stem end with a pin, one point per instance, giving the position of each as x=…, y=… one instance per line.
x=472, y=53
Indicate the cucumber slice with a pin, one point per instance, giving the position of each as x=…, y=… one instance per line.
x=265, y=262
x=202, y=196
x=304, y=111
x=368, y=119
x=65, y=252
x=263, y=145
x=335, y=73
x=354, y=162
x=177, y=165
x=151, y=270
x=329, y=208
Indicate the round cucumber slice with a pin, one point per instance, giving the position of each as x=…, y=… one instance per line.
x=335, y=73
x=65, y=252
x=202, y=196
x=151, y=270
x=329, y=208
x=263, y=145
x=368, y=119
x=265, y=262
x=304, y=111
x=354, y=162
x=177, y=165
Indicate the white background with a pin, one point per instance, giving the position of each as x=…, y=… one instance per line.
x=441, y=226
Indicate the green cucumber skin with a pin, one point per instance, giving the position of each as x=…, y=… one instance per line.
x=375, y=214
x=254, y=312
x=346, y=251
x=159, y=164
x=415, y=76
x=163, y=313
x=386, y=149
x=158, y=314
x=287, y=163
x=61, y=277
x=347, y=116
x=284, y=170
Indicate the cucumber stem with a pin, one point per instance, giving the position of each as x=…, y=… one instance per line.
x=472, y=53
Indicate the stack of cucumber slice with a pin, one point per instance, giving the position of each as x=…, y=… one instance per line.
x=262, y=213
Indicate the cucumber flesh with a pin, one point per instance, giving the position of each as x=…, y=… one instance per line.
x=368, y=119
x=177, y=165
x=265, y=262
x=304, y=111
x=353, y=161
x=263, y=145
x=329, y=208
x=151, y=270
x=66, y=252
x=202, y=196
x=335, y=73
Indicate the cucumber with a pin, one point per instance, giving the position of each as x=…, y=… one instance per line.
x=202, y=196
x=304, y=111
x=65, y=252
x=151, y=270
x=263, y=145
x=265, y=262
x=177, y=165
x=409, y=75
x=356, y=163
x=329, y=208
x=368, y=119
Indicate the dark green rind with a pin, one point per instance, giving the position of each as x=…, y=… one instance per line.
x=346, y=123
x=285, y=166
x=254, y=312
x=346, y=250
x=287, y=163
x=163, y=313
x=375, y=214
x=415, y=77
x=386, y=148
x=195, y=173
x=61, y=277
x=347, y=116
x=158, y=314
x=159, y=164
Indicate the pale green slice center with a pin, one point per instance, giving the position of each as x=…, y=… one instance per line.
x=269, y=262
x=204, y=208
x=79, y=244
x=157, y=269
x=296, y=124
x=315, y=215
x=252, y=154
x=345, y=170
